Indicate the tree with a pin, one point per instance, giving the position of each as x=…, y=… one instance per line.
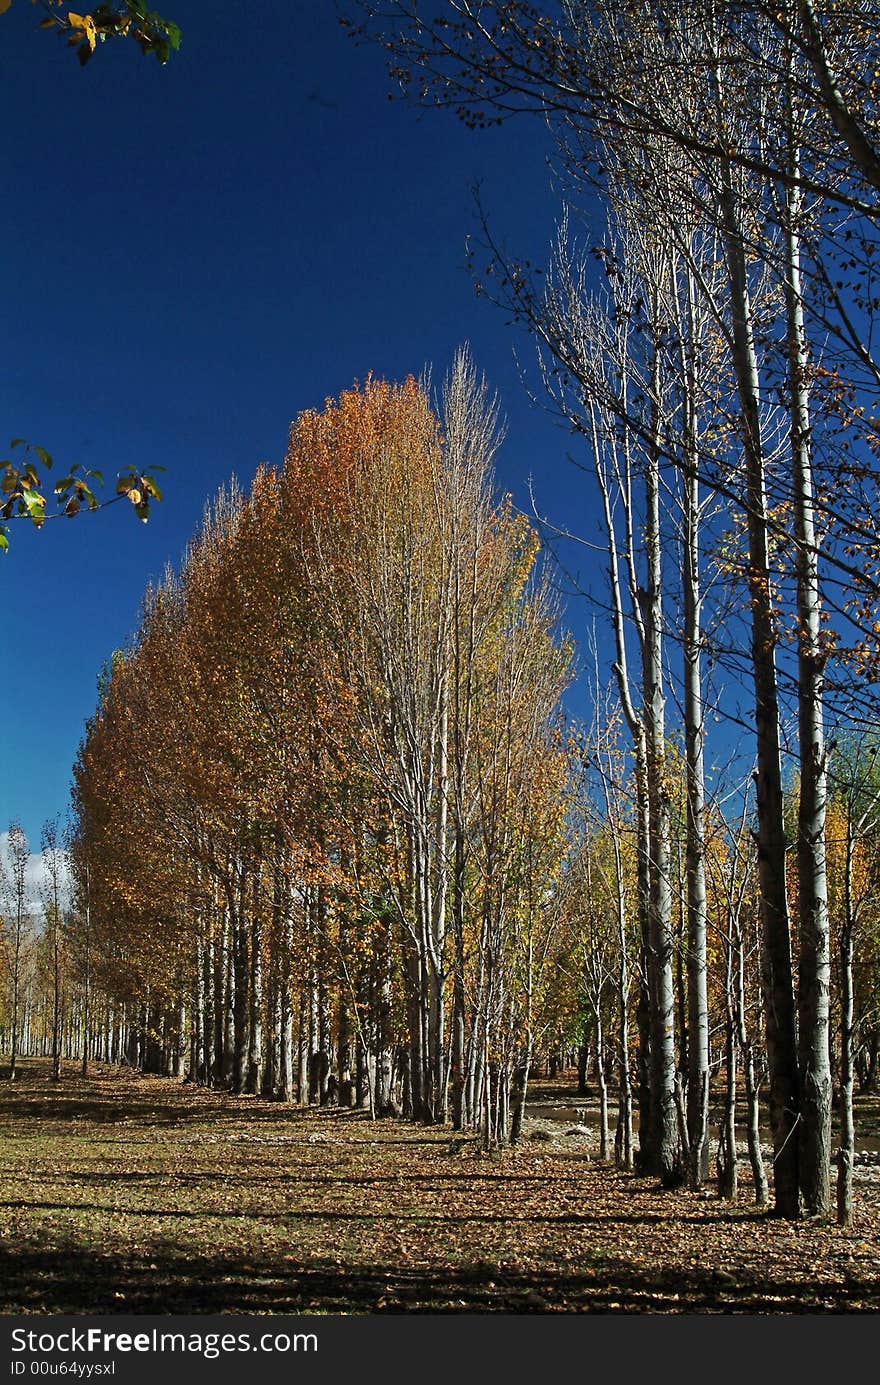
x=610, y=763
x=700, y=113
x=55, y=860
x=491, y=60
x=854, y=812
x=736, y=918
x=327, y=778
x=15, y=888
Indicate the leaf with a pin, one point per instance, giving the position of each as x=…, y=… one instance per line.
x=4, y=542
x=4, y=5
x=86, y=25
x=35, y=503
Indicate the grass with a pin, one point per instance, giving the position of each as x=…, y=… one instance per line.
x=126, y=1193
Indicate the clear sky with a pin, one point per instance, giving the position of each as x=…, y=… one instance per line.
x=192, y=255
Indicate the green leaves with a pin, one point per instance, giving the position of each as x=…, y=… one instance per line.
x=141, y=489
x=23, y=491
x=34, y=503
x=111, y=19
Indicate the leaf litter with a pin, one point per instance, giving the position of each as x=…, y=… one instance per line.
x=130, y=1193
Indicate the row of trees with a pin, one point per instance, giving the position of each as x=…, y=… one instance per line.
x=726, y=357
x=33, y=1011
x=320, y=806
x=332, y=836
x=324, y=1016
x=333, y=842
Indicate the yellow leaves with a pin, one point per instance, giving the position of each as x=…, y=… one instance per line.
x=4, y=5
x=286, y=710
x=125, y=19
x=85, y=25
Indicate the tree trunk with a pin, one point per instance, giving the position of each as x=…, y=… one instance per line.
x=87, y=977
x=604, y=1133
x=458, y=992
x=302, y=1041
x=846, y=1148
x=728, y=1174
x=255, y=1026
x=664, y=1140
x=746, y=1047
x=814, y=963
x=226, y=1016
x=241, y=986
x=779, y=1008
x=695, y=863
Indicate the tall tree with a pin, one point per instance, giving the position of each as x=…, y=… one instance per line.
x=54, y=861
x=15, y=888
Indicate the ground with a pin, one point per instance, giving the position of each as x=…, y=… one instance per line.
x=126, y=1193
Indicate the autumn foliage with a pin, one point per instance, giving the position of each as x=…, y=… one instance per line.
x=320, y=803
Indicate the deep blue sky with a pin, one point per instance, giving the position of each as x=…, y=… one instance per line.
x=192, y=255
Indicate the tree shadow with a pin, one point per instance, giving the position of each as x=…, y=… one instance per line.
x=69, y=1281
x=394, y=1215
x=97, y=1099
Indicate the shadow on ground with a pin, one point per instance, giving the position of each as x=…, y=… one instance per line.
x=68, y=1282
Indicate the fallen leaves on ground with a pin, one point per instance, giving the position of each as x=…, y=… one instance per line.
x=126, y=1193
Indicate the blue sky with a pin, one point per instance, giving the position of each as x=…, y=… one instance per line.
x=193, y=254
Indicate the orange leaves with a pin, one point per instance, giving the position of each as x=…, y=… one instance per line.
x=353, y=671
x=382, y=426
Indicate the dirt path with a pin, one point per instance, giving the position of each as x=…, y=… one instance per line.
x=136, y=1194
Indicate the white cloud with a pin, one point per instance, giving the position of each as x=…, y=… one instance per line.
x=36, y=877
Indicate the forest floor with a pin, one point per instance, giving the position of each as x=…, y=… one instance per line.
x=134, y=1194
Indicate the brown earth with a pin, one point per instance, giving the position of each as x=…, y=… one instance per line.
x=126, y=1193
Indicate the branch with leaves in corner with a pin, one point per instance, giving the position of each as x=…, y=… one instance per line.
x=25, y=489
x=111, y=19
x=23, y=485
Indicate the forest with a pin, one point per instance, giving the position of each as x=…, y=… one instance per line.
x=361, y=828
